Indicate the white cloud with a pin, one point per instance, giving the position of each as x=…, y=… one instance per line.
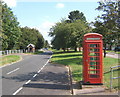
x=60, y=5
x=11, y=3
x=44, y=29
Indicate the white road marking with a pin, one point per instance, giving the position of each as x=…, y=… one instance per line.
x=18, y=91
x=13, y=70
x=35, y=75
x=43, y=66
x=32, y=77
x=28, y=81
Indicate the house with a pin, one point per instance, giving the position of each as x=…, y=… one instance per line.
x=31, y=48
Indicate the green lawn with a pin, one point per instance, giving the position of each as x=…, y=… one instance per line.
x=110, y=62
x=74, y=60
x=117, y=52
x=9, y=59
x=13, y=58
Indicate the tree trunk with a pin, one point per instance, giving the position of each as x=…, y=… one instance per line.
x=75, y=49
x=64, y=49
x=105, y=51
x=80, y=49
x=67, y=49
x=110, y=46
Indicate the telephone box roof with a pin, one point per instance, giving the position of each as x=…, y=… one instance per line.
x=92, y=34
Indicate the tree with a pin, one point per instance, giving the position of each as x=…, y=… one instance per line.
x=68, y=33
x=46, y=44
x=30, y=35
x=107, y=23
x=10, y=28
x=61, y=33
x=79, y=28
x=76, y=15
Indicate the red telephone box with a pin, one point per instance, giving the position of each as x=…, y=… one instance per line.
x=92, y=58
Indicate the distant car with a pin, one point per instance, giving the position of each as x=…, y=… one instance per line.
x=117, y=48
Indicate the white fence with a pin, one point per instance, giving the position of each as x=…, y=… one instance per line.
x=6, y=52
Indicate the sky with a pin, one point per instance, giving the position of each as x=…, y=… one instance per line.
x=43, y=14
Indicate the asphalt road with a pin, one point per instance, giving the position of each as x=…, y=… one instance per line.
x=16, y=75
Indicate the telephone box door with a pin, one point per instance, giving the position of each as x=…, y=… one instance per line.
x=94, y=61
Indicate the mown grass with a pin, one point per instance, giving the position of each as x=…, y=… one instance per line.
x=13, y=58
x=110, y=62
x=117, y=52
x=9, y=59
x=74, y=60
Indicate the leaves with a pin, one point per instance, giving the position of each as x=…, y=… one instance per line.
x=30, y=35
x=107, y=23
x=10, y=28
x=69, y=33
x=14, y=37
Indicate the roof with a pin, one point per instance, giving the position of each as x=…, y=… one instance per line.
x=31, y=45
x=92, y=34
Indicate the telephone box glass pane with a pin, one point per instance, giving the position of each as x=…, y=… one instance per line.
x=93, y=72
x=94, y=67
x=94, y=45
x=94, y=58
x=94, y=63
x=94, y=76
x=93, y=54
x=93, y=50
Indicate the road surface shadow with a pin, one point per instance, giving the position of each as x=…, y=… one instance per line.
x=47, y=86
x=21, y=77
x=59, y=78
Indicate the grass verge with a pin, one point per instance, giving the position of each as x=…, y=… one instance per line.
x=9, y=59
x=110, y=62
x=74, y=60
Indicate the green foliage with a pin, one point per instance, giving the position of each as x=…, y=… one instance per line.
x=14, y=37
x=30, y=36
x=76, y=15
x=10, y=29
x=69, y=33
x=46, y=44
x=108, y=23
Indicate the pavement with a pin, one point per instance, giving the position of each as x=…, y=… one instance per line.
x=92, y=90
x=113, y=55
